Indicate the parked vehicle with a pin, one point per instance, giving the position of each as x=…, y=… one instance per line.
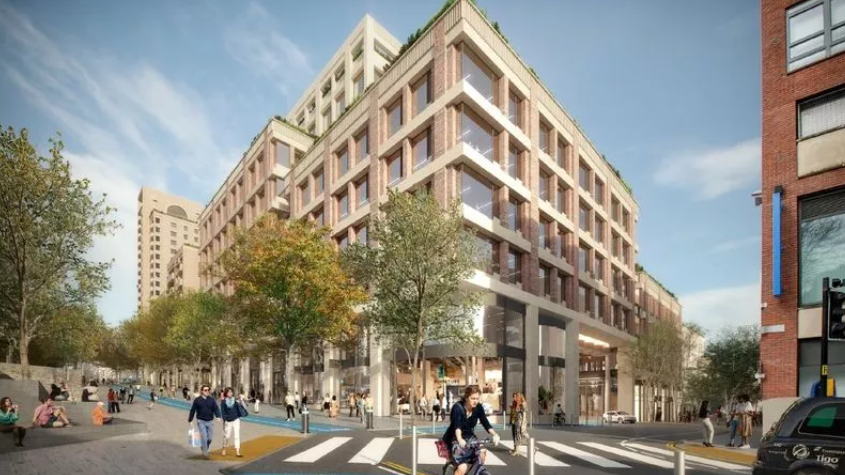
x=621, y=417
x=808, y=439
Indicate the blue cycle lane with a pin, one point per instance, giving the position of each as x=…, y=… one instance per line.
x=252, y=418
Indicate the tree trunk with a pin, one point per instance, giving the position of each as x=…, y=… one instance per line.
x=414, y=385
x=24, y=352
x=10, y=352
x=288, y=365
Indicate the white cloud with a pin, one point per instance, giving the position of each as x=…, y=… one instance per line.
x=126, y=119
x=736, y=244
x=708, y=174
x=255, y=42
x=718, y=308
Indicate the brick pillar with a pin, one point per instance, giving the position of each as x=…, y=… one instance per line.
x=503, y=261
x=555, y=281
x=439, y=69
x=329, y=177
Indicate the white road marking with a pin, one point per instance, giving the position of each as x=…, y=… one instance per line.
x=318, y=451
x=374, y=451
x=691, y=458
x=427, y=453
x=586, y=456
x=540, y=458
x=631, y=455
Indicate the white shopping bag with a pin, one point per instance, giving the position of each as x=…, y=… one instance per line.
x=194, y=438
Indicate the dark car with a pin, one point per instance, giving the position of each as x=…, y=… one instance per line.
x=809, y=439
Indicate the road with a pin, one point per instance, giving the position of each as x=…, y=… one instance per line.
x=637, y=450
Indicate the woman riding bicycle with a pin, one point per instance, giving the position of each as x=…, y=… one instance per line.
x=465, y=415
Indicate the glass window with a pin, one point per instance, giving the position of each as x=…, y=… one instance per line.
x=342, y=162
x=599, y=231
x=341, y=104
x=513, y=107
x=821, y=114
x=476, y=74
x=599, y=267
x=513, y=162
x=561, y=153
x=514, y=215
x=584, y=177
x=598, y=192
x=598, y=305
x=561, y=198
x=362, y=190
x=584, y=218
x=626, y=221
x=361, y=235
x=476, y=134
x=822, y=243
x=544, y=137
x=546, y=280
x=395, y=169
x=305, y=193
x=319, y=181
x=583, y=303
x=583, y=254
x=362, y=145
x=343, y=240
x=359, y=84
x=343, y=205
x=562, y=283
x=319, y=217
x=422, y=94
x=477, y=194
x=816, y=32
x=545, y=226
x=489, y=253
x=544, y=186
x=514, y=267
x=827, y=420
x=283, y=154
x=327, y=118
x=394, y=117
x=422, y=154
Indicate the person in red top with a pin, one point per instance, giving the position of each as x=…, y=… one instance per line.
x=49, y=416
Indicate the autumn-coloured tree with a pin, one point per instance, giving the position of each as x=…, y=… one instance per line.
x=147, y=331
x=290, y=288
x=423, y=256
x=48, y=223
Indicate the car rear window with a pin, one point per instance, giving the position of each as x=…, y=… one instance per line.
x=826, y=420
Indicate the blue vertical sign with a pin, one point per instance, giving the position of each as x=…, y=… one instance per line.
x=776, y=245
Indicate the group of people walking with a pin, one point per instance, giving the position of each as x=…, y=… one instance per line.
x=740, y=421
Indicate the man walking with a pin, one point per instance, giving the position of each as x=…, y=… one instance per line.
x=131, y=396
x=297, y=400
x=289, y=406
x=206, y=410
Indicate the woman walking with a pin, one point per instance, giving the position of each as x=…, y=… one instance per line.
x=704, y=417
x=519, y=422
x=231, y=411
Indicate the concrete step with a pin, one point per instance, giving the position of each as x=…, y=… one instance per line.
x=41, y=438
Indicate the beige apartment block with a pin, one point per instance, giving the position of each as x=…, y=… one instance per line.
x=183, y=271
x=461, y=115
x=165, y=223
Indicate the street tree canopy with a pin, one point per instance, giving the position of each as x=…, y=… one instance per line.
x=728, y=367
x=48, y=223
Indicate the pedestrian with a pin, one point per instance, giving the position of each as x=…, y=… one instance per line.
x=733, y=422
x=704, y=417
x=185, y=391
x=232, y=410
x=289, y=401
x=359, y=407
x=435, y=406
x=304, y=405
x=298, y=401
x=131, y=396
x=519, y=422
x=206, y=410
x=352, y=403
x=258, y=398
x=152, y=399
x=423, y=405
x=745, y=412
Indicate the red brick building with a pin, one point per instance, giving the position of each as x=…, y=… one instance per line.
x=803, y=190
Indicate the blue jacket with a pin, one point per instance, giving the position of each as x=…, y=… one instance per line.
x=205, y=408
x=230, y=414
x=467, y=424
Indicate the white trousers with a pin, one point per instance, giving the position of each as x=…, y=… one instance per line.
x=232, y=430
x=257, y=403
x=708, y=430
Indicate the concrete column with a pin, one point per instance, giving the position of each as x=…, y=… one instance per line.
x=606, y=383
x=379, y=379
x=624, y=384
x=532, y=350
x=572, y=372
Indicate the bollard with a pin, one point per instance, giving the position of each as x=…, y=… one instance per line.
x=680, y=462
x=433, y=427
x=413, y=450
x=400, y=424
x=369, y=415
x=531, y=456
x=305, y=421
x=504, y=419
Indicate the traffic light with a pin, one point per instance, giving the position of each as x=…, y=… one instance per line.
x=836, y=317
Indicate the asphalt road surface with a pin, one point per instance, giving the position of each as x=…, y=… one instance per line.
x=638, y=449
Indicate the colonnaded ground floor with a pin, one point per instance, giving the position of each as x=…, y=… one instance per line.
x=527, y=349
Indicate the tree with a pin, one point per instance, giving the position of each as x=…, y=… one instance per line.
x=48, y=223
x=147, y=331
x=290, y=288
x=657, y=358
x=422, y=257
x=728, y=367
x=76, y=334
x=115, y=351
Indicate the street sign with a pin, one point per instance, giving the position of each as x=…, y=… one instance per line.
x=825, y=370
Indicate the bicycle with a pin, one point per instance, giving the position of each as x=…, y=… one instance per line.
x=476, y=466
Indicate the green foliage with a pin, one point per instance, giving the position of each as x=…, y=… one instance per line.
x=200, y=329
x=115, y=350
x=618, y=175
x=76, y=335
x=728, y=367
x=657, y=358
x=147, y=332
x=48, y=223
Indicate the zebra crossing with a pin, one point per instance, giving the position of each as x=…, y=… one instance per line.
x=553, y=454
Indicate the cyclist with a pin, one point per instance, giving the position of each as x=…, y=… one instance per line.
x=465, y=415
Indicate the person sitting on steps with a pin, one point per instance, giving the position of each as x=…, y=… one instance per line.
x=99, y=417
x=48, y=416
x=8, y=418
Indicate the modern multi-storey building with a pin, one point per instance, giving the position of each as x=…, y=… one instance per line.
x=183, y=270
x=461, y=115
x=803, y=194
x=165, y=223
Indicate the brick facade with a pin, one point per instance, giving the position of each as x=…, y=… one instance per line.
x=781, y=92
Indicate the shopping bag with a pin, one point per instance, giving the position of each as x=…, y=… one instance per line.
x=442, y=449
x=194, y=438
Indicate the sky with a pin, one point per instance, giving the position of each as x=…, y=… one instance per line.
x=169, y=95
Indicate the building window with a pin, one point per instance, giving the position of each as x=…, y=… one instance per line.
x=584, y=218
x=545, y=239
x=822, y=243
x=488, y=253
x=614, y=209
x=562, y=283
x=513, y=107
x=583, y=303
x=341, y=104
x=615, y=245
x=342, y=162
x=598, y=192
x=561, y=198
x=563, y=235
x=421, y=149
x=421, y=94
x=584, y=177
x=362, y=145
x=514, y=215
x=626, y=221
x=362, y=190
x=545, y=280
x=305, y=194
x=598, y=305
x=319, y=181
x=513, y=162
x=394, y=117
x=545, y=145
x=583, y=254
x=343, y=239
x=394, y=169
x=562, y=147
x=319, y=217
x=599, y=268
x=476, y=73
x=514, y=267
x=283, y=154
x=343, y=205
x=327, y=118
x=599, y=231
x=477, y=194
x=815, y=30
x=822, y=114
x=477, y=134
x=361, y=235
x=545, y=186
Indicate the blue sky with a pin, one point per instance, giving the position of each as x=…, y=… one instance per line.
x=169, y=94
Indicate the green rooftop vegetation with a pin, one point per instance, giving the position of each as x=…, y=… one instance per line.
x=639, y=268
